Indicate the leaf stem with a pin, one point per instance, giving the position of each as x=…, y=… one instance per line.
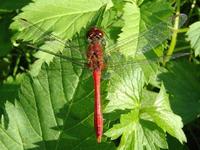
x=183, y=30
x=174, y=35
x=16, y=66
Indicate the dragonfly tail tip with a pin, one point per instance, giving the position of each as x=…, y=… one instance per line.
x=99, y=139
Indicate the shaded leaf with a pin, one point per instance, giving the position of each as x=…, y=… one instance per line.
x=7, y=5
x=53, y=111
x=182, y=83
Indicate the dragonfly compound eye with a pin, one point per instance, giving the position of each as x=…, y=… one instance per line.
x=95, y=33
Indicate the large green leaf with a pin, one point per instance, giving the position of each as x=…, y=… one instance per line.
x=182, y=83
x=131, y=15
x=163, y=116
x=63, y=18
x=122, y=91
x=143, y=31
x=53, y=111
x=194, y=37
x=148, y=113
x=137, y=134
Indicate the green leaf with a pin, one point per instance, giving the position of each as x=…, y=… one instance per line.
x=181, y=80
x=45, y=57
x=143, y=31
x=64, y=18
x=131, y=14
x=58, y=17
x=9, y=89
x=163, y=116
x=194, y=37
x=126, y=92
x=53, y=111
x=137, y=134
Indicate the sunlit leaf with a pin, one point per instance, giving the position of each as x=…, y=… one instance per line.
x=137, y=134
x=62, y=18
x=194, y=37
x=149, y=119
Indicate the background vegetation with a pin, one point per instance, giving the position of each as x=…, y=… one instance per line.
x=47, y=102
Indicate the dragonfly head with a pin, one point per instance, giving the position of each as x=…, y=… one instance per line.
x=95, y=34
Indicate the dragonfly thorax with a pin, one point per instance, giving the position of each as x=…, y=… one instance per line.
x=95, y=49
x=95, y=56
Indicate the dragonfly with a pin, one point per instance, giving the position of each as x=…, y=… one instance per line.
x=95, y=59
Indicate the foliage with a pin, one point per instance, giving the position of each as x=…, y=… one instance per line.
x=194, y=37
x=47, y=101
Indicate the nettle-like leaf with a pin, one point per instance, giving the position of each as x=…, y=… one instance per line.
x=137, y=134
x=184, y=98
x=54, y=22
x=131, y=19
x=142, y=31
x=194, y=37
x=53, y=111
x=121, y=90
x=63, y=17
x=163, y=116
x=145, y=125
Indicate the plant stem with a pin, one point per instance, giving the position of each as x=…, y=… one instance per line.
x=183, y=30
x=174, y=34
x=16, y=66
x=192, y=8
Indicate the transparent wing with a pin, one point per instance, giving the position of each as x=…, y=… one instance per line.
x=115, y=63
x=76, y=61
x=35, y=35
x=147, y=40
x=154, y=36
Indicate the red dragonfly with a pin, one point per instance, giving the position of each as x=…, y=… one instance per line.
x=95, y=60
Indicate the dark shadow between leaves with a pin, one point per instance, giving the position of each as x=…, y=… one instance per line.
x=181, y=82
